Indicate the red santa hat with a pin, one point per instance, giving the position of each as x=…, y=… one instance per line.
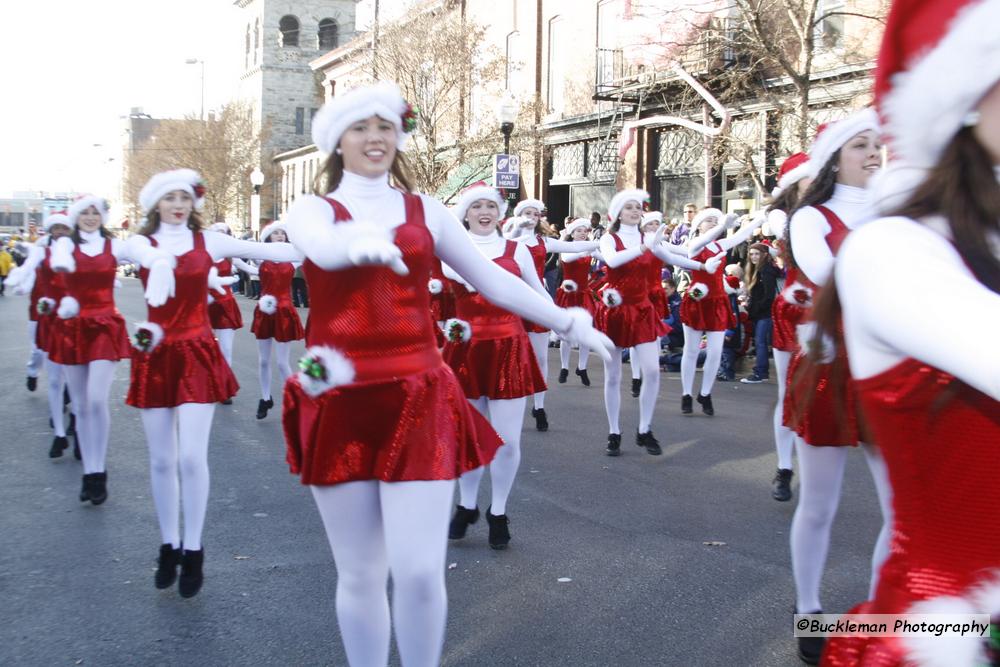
x=382, y=99
x=58, y=218
x=186, y=180
x=575, y=225
x=83, y=203
x=271, y=228
x=792, y=170
x=831, y=137
x=474, y=193
x=651, y=216
x=536, y=204
x=620, y=199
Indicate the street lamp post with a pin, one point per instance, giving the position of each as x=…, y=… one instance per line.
x=257, y=180
x=195, y=61
x=507, y=114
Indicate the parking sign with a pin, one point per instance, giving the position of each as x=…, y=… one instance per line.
x=507, y=172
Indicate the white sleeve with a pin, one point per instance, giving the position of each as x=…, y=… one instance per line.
x=527, y=265
x=558, y=245
x=673, y=259
x=220, y=246
x=888, y=317
x=698, y=241
x=777, y=223
x=568, y=257
x=245, y=267
x=808, y=229
x=745, y=232
x=615, y=258
x=139, y=250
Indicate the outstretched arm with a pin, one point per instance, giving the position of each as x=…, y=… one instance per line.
x=698, y=241
x=245, y=267
x=523, y=258
x=745, y=232
x=615, y=258
x=220, y=246
x=558, y=245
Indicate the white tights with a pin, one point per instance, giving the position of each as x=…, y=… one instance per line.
x=281, y=351
x=57, y=383
x=225, y=337
x=36, y=355
x=689, y=359
x=821, y=471
x=507, y=418
x=540, y=344
x=647, y=357
x=89, y=387
x=784, y=437
x=564, y=350
x=376, y=528
x=178, y=441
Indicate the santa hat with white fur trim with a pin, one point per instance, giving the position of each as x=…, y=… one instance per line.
x=186, y=180
x=529, y=203
x=704, y=215
x=85, y=202
x=831, y=137
x=382, y=99
x=620, y=199
x=474, y=193
x=792, y=170
x=53, y=219
x=270, y=229
x=575, y=225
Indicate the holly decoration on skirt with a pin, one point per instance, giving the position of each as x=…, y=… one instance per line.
x=45, y=306
x=698, y=291
x=457, y=331
x=323, y=368
x=147, y=336
x=569, y=286
x=611, y=297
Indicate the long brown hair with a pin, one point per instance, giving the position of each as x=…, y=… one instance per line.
x=332, y=172
x=753, y=270
x=152, y=225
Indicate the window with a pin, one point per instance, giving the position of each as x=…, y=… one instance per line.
x=558, y=46
x=289, y=27
x=607, y=41
x=246, y=52
x=256, y=41
x=327, y=34
x=300, y=120
x=514, y=62
x=312, y=114
x=830, y=29
x=291, y=181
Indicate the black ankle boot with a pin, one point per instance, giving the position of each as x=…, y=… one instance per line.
x=98, y=487
x=584, y=378
x=191, y=573
x=636, y=387
x=166, y=566
x=85, y=488
x=32, y=384
x=686, y=404
x=263, y=406
x=706, y=404
x=810, y=649
x=499, y=530
x=781, y=485
x=563, y=374
x=541, y=420
x=59, y=445
x=647, y=440
x=614, y=444
x=461, y=521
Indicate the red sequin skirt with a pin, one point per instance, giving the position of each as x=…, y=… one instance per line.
x=813, y=407
x=409, y=428
x=47, y=325
x=581, y=298
x=442, y=305
x=86, y=338
x=224, y=313
x=283, y=325
x=713, y=313
x=497, y=368
x=785, y=317
x=630, y=324
x=190, y=370
x=862, y=650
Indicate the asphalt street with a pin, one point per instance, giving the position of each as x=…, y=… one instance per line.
x=680, y=559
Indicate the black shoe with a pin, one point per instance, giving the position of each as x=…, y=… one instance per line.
x=191, y=575
x=85, y=488
x=166, y=566
x=753, y=379
x=636, y=387
x=541, y=420
x=98, y=487
x=686, y=404
x=614, y=444
x=499, y=532
x=706, y=404
x=76, y=449
x=584, y=378
x=228, y=401
x=59, y=445
x=649, y=442
x=563, y=374
x=263, y=406
x=781, y=486
x=810, y=649
x=554, y=343
x=461, y=521
x=32, y=384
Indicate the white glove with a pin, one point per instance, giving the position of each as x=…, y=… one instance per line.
x=160, y=283
x=21, y=279
x=581, y=332
x=712, y=263
x=653, y=241
x=365, y=251
x=219, y=283
x=61, y=260
x=731, y=220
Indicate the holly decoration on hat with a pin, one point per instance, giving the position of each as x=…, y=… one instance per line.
x=199, y=189
x=313, y=367
x=409, y=118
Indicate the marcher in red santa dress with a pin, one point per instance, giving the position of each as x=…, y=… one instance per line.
x=223, y=310
x=651, y=221
x=575, y=292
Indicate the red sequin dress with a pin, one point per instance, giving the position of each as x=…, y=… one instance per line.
x=443, y=302
x=224, y=311
x=187, y=366
x=48, y=285
x=538, y=257
x=634, y=321
x=498, y=362
x=939, y=440
x=658, y=295
x=786, y=316
x=98, y=332
x=404, y=417
x=714, y=312
x=284, y=324
x=579, y=272
x=822, y=414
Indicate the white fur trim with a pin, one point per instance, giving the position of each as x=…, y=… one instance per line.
x=337, y=370
x=954, y=651
x=698, y=291
x=435, y=286
x=792, y=293
x=537, y=204
x=85, y=202
x=705, y=214
x=382, y=99
x=155, y=332
x=516, y=227
x=793, y=176
x=471, y=195
x=271, y=228
x=651, y=216
x=268, y=304
x=567, y=233
x=57, y=219
x=569, y=286
x=457, y=331
x=611, y=297
x=620, y=199
x=168, y=181
x=928, y=101
x=45, y=305
x=838, y=133
x=68, y=308
x=777, y=220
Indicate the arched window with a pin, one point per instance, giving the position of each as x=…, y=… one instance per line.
x=246, y=53
x=289, y=27
x=256, y=40
x=327, y=34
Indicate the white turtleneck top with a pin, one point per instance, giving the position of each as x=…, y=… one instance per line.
x=808, y=229
x=374, y=201
x=493, y=246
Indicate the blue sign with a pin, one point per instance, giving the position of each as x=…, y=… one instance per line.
x=507, y=172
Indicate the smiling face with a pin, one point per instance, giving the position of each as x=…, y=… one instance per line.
x=532, y=214
x=650, y=227
x=175, y=207
x=482, y=217
x=859, y=159
x=754, y=256
x=59, y=231
x=278, y=236
x=631, y=213
x=368, y=147
x=89, y=220
x=580, y=234
x=707, y=224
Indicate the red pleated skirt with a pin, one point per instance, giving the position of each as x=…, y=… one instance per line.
x=630, y=323
x=785, y=317
x=409, y=428
x=578, y=299
x=46, y=329
x=224, y=313
x=812, y=410
x=713, y=313
x=283, y=326
x=86, y=338
x=190, y=370
x=497, y=368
